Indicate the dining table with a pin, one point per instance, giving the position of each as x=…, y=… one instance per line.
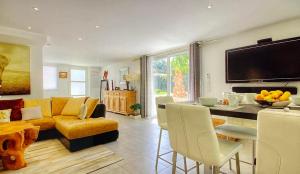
x=242, y=111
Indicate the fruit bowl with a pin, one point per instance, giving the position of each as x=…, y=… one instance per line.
x=264, y=102
x=275, y=99
x=273, y=104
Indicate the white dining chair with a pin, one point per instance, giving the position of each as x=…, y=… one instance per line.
x=162, y=122
x=243, y=133
x=192, y=134
x=278, y=142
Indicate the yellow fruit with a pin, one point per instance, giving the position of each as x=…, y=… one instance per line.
x=268, y=98
x=284, y=97
x=287, y=93
x=259, y=97
x=275, y=95
x=272, y=92
x=279, y=92
x=264, y=92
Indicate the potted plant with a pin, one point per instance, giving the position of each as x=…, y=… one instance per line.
x=136, y=108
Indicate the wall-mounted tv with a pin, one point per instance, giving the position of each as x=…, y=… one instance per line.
x=266, y=62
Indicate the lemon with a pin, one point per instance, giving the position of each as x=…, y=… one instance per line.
x=264, y=92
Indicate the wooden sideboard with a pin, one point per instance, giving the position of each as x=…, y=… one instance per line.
x=119, y=101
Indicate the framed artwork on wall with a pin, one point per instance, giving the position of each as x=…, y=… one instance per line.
x=123, y=71
x=14, y=69
x=63, y=75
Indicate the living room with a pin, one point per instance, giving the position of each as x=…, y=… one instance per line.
x=91, y=86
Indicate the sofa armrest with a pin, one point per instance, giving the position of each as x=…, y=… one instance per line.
x=99, y=111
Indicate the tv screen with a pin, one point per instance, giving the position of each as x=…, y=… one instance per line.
x=270, y=62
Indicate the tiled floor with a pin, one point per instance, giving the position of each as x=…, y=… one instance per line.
x=137, y=144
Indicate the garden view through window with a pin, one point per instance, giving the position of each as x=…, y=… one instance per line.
x=171, y=76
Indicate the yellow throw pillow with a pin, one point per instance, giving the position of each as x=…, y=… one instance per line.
x=73, y=106
x=58, y=104
x=45, y=105
x=91, y=104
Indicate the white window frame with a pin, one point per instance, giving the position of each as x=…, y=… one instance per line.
x=85, y=82
x=56, y=78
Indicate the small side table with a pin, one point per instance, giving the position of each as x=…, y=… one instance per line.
x=15, y=137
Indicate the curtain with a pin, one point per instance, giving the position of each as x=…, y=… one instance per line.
x=194, y=76
x=144, y=95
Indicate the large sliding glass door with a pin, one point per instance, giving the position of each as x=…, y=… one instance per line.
x=170, y=76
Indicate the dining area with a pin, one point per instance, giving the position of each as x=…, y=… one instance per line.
x=203, y=132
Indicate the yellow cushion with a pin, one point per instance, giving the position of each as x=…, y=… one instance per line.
x=44, y=123
x=91, y=104
x=73, y=106
x=45, y=105
x=72, y=127
x=58, y=104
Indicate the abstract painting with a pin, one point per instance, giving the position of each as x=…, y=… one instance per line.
x=14, y=69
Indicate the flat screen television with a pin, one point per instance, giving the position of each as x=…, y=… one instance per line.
x=268, y=62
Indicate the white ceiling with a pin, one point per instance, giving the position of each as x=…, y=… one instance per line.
x=130, y=28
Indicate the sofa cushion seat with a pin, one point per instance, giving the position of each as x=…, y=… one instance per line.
x=45, y=123
x=72, y=127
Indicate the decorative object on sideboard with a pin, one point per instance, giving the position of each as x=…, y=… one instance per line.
x=63, y=75
x=14, y=69
x=117, y=88
x=105, y=75
x=131, y=79
x=112, y=85
x=123, y=72
x=104, y=85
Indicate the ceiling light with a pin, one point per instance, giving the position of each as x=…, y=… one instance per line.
x=29, y=27
x=80, y=39
x=36, y=9
x=209, y=4
x=97, y=26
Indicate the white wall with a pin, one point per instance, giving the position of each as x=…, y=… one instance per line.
x=213, y=55
x=93, y=76
x=113, y=73
x=36, y=43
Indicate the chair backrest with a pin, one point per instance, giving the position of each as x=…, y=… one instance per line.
x=161, y=113
x=278, y=142
x=192, y=134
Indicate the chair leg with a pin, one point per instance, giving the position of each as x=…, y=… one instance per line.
x=198, y=167
x=237, y=162
x=158, y=149
x=174, y=160
x=230, y=166
x=253, y=156
x=216, y=170
x=185, y=165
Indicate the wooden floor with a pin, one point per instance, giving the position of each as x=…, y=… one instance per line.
x=52, y=157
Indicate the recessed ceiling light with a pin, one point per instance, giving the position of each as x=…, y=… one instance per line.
x=29, y=27
x=36, y=9
x=79, y=38
x=209, y=4
x=97, y=26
